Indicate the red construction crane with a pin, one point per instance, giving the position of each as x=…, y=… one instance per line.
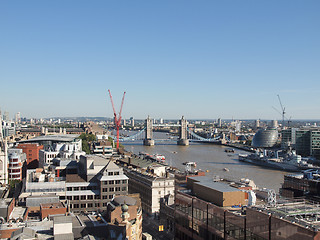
x=117, y=119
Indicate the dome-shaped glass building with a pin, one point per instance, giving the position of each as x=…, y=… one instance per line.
x=265, y=138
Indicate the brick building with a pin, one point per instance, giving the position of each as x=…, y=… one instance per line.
x=32, y=153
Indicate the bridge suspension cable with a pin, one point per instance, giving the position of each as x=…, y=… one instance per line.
x=132, y=137
x=196, y=136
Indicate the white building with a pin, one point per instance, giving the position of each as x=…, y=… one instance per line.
x=16, y=159
x=69, y=150
x=3, y=156
x=152, y=188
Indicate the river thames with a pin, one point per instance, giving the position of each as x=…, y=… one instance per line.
x=211, y=158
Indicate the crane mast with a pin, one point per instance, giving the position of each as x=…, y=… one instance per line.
x=283, y=111
x=117, y=118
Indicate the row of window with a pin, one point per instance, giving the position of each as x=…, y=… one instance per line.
x=51, y=155
x=83, y=197
x=112, y=189
x=113, y=173
x=82, y=188
x=115, y=182
x=87, y=205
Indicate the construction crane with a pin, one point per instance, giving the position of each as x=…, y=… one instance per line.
x=117, y=118
x=283, y=111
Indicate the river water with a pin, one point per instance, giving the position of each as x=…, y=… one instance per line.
x=211, y=158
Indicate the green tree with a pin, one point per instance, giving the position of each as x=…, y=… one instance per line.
x=86, y=140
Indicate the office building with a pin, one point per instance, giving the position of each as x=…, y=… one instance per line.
x=16, y=158
x=87, y=184
x=306, y=141
x=196, y=218
x=32, y=153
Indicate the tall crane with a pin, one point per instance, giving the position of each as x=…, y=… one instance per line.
x=117, y=118
x=283, y=111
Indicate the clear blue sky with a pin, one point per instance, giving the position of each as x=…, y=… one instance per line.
x=200, y=59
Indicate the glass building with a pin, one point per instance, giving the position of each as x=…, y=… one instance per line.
x=265, y=138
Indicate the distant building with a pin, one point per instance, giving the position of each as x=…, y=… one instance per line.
x=8, y=128
x=219, y=122
x=306, y=141
x=102, y=147
x=18, y=118
x=257, y=124
x=265, y=138
x=6, y=116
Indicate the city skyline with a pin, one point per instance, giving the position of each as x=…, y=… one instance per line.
x=203, y=60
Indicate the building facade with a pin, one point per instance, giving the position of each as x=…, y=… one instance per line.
x=32, y=153
x=305, y=141
x=87, y=185
x=16, y=159
x=152, y=189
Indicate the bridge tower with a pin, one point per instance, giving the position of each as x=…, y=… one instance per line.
x=148, y=141
x=183, y=138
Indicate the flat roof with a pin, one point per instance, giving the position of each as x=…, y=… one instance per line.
x=209, y=183
x=57, y=138
x=221, y=187
x=52, y=205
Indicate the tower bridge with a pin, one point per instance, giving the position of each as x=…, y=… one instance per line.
x=184, y=138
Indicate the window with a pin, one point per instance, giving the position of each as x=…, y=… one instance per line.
x=124, y=188
x=111, y=189
x=76, y=198
x=69, y=197
x=90, y=197
x=90, y=205
x=83, y=188
x=76, y=189
x=111, y=182
x=83, y=197
x=104, y=189
x=110, y=196
x=110, y=173
x=69, y=188
x=83, y=205
x=117, y=181
x=105, y=204
x=97, y=204
x=117, y=189
x=96, y=196
x=116, y=173
x=76, y=205
x=105, y=197
x=124, y=181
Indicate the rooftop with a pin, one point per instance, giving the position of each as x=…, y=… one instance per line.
x=56, y=138
x=221, y=187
